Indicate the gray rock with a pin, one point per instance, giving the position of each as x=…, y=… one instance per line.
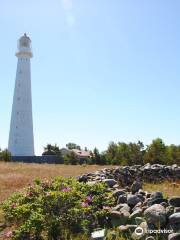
x=137, y=206
x=174, y=236
x=164, y=204
x=142, y=192
x=169, y=211
x=155, y=195
x=127, y=228
x=174, y=201
x=139, y=220
x=122, y=207
x=118, y=192
x=140, y=196
x=137, y=213
x=119, y=218
x=132, y=200
x=157, y=200
x=155, y=215
x=122, y=199
x=110, y=182
x=150, y=238
x=136, y=186
x=174, y=218
x=176, y=209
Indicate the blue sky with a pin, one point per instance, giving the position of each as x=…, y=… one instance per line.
x=102, y=70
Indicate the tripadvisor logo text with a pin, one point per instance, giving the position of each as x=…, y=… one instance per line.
x=140, y=231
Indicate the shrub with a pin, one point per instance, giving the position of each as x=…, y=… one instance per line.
x=49, y=210
x=5, y=155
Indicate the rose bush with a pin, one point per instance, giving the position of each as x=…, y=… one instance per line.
x=49, y=210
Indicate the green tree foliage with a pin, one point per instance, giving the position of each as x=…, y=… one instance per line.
x=55, y=148
x=173, y=154
x=124, y=154
x=96, y=157
x=5, y=155
x=156, y=152
x=71, y=158
x=120, y=153
x=71, y=146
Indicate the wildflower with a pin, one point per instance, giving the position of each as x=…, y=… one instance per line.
x=8, y=234
x=89, y=199
x=45, y=185
x=84, y=204
x=29, y=194
x=48, y=194
x=67, y=189
x=13, y=205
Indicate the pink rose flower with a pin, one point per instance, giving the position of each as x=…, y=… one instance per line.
x=84, y=204
x=67, y=189
x=8, y=234
x=13, y=205
x=89, y=198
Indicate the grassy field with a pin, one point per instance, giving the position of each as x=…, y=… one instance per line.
x=15, y=176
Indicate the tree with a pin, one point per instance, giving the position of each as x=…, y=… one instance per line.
x=156, y=152
x=124, y=154
x=173, y=154
x=5, y=155
x=135, y=153
x=55, y=148
x=71, y=146
x=96, y=157
x=111, y=153
x=71, y=158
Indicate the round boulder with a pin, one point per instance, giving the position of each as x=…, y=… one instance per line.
x=136, y=186
x=174, y=201
x=132, y=200
x=174, y=218
x=119, y=218
x=155, y=215
x=174, y=236
x=110, y=182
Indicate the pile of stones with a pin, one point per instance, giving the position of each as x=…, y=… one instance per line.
x=138, y=214
x=126, y=174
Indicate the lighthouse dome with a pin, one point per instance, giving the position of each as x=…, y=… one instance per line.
x=24, y=46
x=25, y=41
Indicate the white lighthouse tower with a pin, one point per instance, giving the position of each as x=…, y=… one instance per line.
x=21, y=139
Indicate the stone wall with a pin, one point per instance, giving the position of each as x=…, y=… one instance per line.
x=126, y=175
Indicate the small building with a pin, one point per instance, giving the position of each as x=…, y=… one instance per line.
x=82, y=153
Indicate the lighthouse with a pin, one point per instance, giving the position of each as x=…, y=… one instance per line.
x=21, y=138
